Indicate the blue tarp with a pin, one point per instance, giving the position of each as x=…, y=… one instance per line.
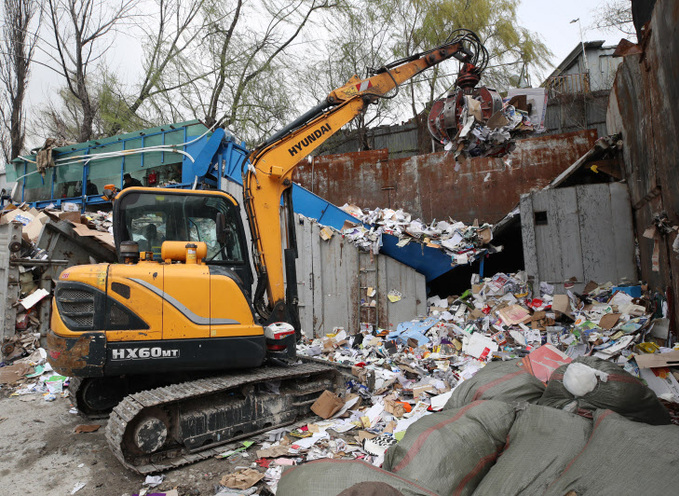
x=413, y=329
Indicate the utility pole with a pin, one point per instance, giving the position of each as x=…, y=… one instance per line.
x=582, y=44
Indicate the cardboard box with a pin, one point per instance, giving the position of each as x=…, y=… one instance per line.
x=17, y=215
x=514, y=314
x=609, y=320
x=70, y=216
x=106, y=239
x=327, y=405
x=658, y=360
x=562, y=304
x=486, y=235
x=32, y=231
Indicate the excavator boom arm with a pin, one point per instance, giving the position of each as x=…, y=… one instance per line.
x=273, y=162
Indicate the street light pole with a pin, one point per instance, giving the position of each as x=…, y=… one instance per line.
x=582, y=44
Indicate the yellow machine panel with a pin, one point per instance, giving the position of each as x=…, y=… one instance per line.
x=186, y=301
x=94, y=275
x=130, y=285
x=229, y=310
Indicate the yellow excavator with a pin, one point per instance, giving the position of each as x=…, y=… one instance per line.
x=170, y=341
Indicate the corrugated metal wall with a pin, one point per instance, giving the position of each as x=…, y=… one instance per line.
x=584, y=232
x=644, y=108
x=434, y=186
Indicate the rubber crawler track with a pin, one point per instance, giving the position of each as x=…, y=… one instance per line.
x=131, y=406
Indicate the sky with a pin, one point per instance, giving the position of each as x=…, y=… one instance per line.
x=549, y=19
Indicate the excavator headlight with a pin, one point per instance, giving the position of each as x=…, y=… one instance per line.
x=281, y=343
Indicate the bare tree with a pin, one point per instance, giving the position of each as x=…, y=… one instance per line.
x=358, y=41
x=240, y=73
x=79, y=29
x=19, y=36
x=615, y=16
x=237, y=76
x=178, y=26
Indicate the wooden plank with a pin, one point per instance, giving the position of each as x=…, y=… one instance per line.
x=395, y=275
x=304, y=271
x=317, y=284
x=337, y=267
x=548, y=247
x=596, y=231
x=623, y=232
x=530, y=257
x=568, y=234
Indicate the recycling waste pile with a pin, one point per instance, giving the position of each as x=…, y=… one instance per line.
x=23, y=368
x=463, y=243
x=505, y=389
x=491, y=137
x=555, y=383
x=478, y=133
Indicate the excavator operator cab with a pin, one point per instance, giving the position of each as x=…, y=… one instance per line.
x=149, y=217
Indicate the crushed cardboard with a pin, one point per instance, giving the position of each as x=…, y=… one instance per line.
x=327, y=405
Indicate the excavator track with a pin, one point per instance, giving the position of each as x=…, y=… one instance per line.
x=168, y=427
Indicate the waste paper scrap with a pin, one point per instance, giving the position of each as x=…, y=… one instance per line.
x=480, y=133
x=463, y=243
x=92, y=224
x=504, y=357
x=511, y=363
x=493, y=137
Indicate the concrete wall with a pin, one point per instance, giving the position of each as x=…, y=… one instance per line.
x=644, y=108
x=433, y=186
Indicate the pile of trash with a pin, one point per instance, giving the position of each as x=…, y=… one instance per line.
x=501, y=318
x=461, y=242
x=96, y=225
x=497, y=345
x=493, y=137
x=594, y=350
x=603, y=353
x=475, y=132
x=35, y=263
x=32, y=374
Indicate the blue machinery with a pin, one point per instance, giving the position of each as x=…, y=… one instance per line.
x=190, y=153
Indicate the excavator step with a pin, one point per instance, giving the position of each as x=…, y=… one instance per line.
x=165, y=428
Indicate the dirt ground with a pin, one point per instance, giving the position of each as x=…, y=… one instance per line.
x=41, y=455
